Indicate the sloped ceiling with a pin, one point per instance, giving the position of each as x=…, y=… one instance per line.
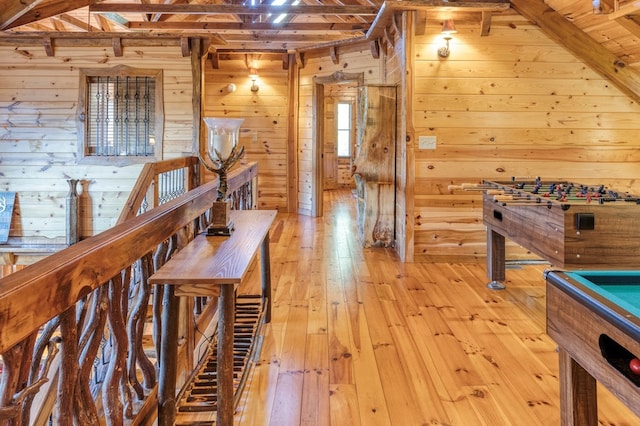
x=603, y=33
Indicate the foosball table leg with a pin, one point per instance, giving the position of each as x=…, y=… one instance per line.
x=496, y=285
x=495, y=259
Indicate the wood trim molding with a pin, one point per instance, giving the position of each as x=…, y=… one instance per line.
x=340, y=77
x=81, y=113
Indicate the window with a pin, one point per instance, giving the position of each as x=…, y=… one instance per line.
x=120, y=114
x=344, y=129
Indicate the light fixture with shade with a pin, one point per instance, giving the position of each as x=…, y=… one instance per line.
x=448, y=28
x=223, y=152
x=253, y=75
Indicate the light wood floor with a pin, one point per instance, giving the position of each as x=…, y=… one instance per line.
x=359, y=338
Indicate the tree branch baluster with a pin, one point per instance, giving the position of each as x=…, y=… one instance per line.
x=46, y=345
x=111, y=386
x=136, y=323
x=16, y=411
x=68, y=376
x=93, y=314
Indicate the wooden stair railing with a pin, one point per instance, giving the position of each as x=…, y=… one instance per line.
x=90, y=303
x=149, y=181
x=157, y=183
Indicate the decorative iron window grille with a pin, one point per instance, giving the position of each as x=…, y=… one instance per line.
x=121, y=117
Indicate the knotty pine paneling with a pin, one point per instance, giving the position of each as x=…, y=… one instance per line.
x=264, y=132
x=38, y=97
x=345, y=180
x=513, y=103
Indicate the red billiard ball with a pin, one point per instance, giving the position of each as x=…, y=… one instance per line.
x=634, y=365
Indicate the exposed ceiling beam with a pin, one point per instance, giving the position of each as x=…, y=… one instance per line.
x=78, y=23
x=14, y=9
x=389, y=8
x=113, y=17
x=330, y=44
x=628, y=16
x=100, y=38
x=287, y=38
x=485, y=24
x=580, y=44
x=631, y=23
x=31, y=11
x=239, y=54
x=628, y=9
x=258, y=26
x=232, y=9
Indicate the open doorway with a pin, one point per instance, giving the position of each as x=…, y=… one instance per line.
x=324, y=89
x=339, y=135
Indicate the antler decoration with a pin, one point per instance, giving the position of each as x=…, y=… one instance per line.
x=220, y=167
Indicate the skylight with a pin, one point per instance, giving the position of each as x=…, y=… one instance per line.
x=280, y=18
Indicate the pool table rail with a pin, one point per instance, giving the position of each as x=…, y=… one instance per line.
x=596, y=338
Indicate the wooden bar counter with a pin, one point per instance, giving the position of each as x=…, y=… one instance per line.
x=212, y=266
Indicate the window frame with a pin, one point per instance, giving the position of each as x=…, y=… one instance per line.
x=83, y=101
x=350, y=129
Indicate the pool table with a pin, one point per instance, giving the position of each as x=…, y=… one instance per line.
x=594, y=317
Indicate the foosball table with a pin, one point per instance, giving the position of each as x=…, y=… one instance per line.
x=570, y=225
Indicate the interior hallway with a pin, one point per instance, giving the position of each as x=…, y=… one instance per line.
x=359, y=338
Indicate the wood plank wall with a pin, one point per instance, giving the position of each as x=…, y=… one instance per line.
x=264, y=132
x=38, y=97
x=351, y=60
x=510, y=104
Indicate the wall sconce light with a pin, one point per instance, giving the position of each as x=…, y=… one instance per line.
x=448, y=28
x=253, y=75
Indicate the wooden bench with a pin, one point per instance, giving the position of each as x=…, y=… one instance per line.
x=212, y=266
x=27, y=250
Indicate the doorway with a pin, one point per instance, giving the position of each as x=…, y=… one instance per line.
x=339, y=135
x=324, y=88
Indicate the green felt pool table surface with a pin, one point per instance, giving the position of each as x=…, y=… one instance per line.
x=620, y=287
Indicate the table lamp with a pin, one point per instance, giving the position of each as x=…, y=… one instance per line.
x=223, y=152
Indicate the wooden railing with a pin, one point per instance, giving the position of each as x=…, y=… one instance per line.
x=159, y=183
x=86, y=321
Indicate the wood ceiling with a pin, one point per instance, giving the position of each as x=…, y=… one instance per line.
x=603, y=33
x=264, y=25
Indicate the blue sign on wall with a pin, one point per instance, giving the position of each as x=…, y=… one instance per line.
x=6, y=211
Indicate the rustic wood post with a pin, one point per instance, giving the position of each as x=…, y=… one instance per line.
x=73, y=210
x=374, y=165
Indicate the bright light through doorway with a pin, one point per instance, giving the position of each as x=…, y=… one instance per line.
x=344, y=129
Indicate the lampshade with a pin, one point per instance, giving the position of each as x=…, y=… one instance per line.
x=448, y=27
x=253, y=73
